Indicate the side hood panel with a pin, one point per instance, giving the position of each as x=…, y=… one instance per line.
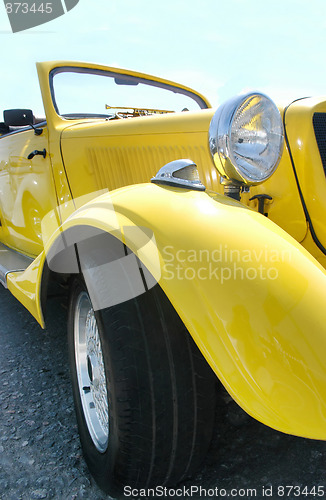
x=122, y=152
x=102, y=156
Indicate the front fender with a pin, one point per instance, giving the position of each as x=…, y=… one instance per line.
x=252, y=298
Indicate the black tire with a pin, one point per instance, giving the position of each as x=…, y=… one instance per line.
x=161, y=394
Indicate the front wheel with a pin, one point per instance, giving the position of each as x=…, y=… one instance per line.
x=144, y=395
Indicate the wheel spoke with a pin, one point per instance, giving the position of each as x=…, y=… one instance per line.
x=91, y=372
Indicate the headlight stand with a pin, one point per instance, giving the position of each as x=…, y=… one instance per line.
x=232, y=190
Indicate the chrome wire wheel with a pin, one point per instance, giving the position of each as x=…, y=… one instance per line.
x=159, y=399
x=90, y=372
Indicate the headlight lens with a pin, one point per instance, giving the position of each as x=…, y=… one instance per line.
x=246, y=138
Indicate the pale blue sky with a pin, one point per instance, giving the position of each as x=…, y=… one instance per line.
x=218, y=47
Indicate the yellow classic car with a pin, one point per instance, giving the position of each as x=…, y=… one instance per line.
x=190, y=246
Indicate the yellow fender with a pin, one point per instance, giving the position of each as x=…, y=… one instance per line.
x=252, y=298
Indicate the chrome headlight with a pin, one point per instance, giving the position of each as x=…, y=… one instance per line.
x=246, y=138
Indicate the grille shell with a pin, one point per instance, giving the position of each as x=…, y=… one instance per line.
x=319, y=123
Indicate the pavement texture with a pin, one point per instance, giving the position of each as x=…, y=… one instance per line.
x=40, y=454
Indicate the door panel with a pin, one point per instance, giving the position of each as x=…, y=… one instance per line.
x=27, y=191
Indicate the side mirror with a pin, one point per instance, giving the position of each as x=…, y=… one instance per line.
x=18, y=117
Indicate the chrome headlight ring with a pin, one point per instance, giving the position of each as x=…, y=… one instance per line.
x=246, y=139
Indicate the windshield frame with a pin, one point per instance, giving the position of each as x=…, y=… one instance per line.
x=121, y=77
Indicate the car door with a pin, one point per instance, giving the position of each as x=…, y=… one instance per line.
x=27, y=190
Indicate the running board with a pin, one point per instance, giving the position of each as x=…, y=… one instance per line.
x=11, y=261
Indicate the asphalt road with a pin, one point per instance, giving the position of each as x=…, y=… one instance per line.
x=40, y=455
